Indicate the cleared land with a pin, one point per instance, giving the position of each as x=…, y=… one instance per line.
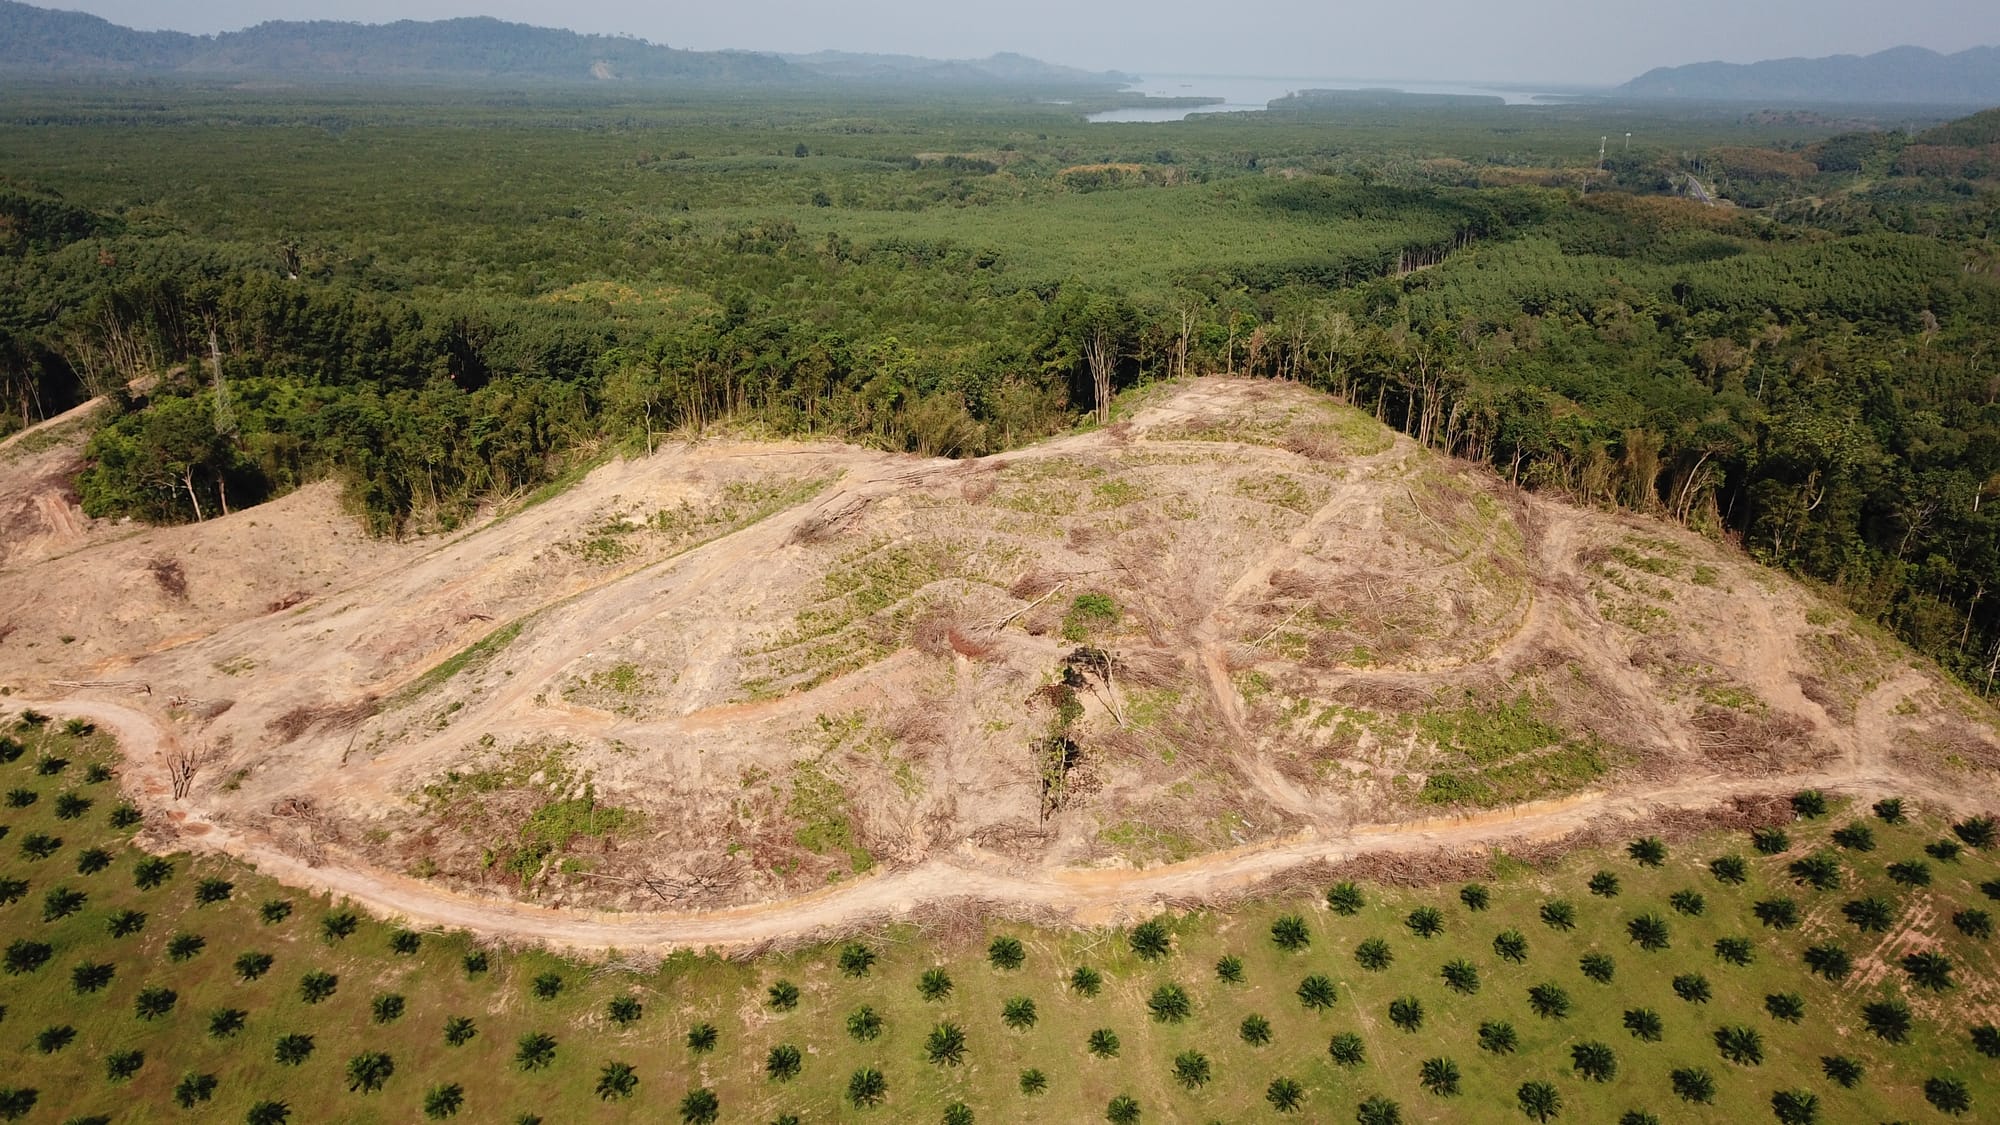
x=1241, y=629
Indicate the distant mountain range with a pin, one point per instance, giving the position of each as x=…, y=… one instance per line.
x=42, y=41
x=1906, y=75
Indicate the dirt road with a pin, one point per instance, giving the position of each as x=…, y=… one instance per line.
x=1086, y=897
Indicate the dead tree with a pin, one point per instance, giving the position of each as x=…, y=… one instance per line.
x=182, y=765
x=1102, y=356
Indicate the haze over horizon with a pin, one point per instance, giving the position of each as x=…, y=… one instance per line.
x=1548, y=41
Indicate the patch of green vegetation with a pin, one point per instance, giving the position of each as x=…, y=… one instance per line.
x=1145, y=844
x=1116, y=493
x=1504, y=753
x=826, y=818
x=474, y=655
x=1088, y=616
x=1490, y=732
x=1279, y=490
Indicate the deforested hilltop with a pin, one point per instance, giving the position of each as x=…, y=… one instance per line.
x=1243, y=618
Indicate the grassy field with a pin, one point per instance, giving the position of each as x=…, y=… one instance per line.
x=396, y=991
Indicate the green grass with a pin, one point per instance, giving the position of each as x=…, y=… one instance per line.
x=473, y=655
x=689, y=989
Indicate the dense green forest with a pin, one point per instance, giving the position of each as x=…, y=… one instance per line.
x=441, y=298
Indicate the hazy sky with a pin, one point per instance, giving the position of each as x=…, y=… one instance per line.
x=1529, y=40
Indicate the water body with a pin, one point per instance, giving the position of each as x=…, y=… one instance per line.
x=1240, y=94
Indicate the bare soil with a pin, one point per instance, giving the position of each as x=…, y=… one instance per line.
x=740, y=692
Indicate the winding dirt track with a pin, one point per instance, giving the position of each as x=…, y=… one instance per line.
x=1083, y=896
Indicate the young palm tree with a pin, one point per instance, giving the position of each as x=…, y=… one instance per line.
x=40, y=845
x=782, y=996
x=535, y=1051
x=1820, y=871
x=1740, y=1045
x=856, y=959
x=1374, y=955
x=548, y=986
x=184, y=947
x=1870, y=915
x=405, y=943
x=1986, y=1040
x=92, y=860
x=1948, y=1095
x=1151, y=940
x=1734, y=950
x=154, y=1002
x=1475, y=896
x=1856, y=837
x=1461, y=976
x=1729, y=870
x=700, y=1106
x=1977, y=832
x=783, y=1063
x=1123, y=1110
x=366, y=1072
x=1789, y=1007
x=1170, y=1004
x=1018, y=1013
x=1777, y=913
x=13, y=890
x=121, y=1065
x=1103, y=1043
x=1604, y=884
x=1889, y=1020
x=1033, y=1082
x=1930, y=969
x=252, y=965
x=1944, y=851
x=268, y=1113
x=1254, y=1030
x=957, y=1113
x=1229, y=970
x=1510, y=945
x=1842, y=1070
x=1407, y=1012
x=61, y=903
x=624, y=1010
x=1689, y=903
x=934, y=985
x=210, y=891
x=1549, y=1001
x=1651, y=851
x=1638, y=1117
x=1498, y=1037
x=386, y=1008
x=339, y=925
x=1539, y=1100
x=1378, y=1110
x=864, y=1024
x=1425, y=922
x=1345, y=899
x=1910, y=873
x=444, y=1101
x=476, y=962
x=317, y=986
x=1693, y=1084
x=225, y=1023
x=1347, y=1049
x=459, y=1030
x=1644, y=1024
x=1086, y=981
x=293, y=1049
x=274, y=911
x=1770, y=841
x=91, y=976
x=49, y=1040
x=24, y=956
x=1795, y=1107
x=1598, y=967
x=1593, y=1060
x=1559, y=915
x=945, y=1046
x=1290, y=933
x=1890, y=810
x=1809, y=804
x=1191, y=1070
x=194, y=1089
x=1973, y=924
x=866, y=1088
x=1316, y=992
x=1285, y=1095
x=1648, y=932
x=1006, y=953
x=1439, y=1076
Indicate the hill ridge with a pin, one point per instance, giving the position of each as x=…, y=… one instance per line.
x=1906, y=74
